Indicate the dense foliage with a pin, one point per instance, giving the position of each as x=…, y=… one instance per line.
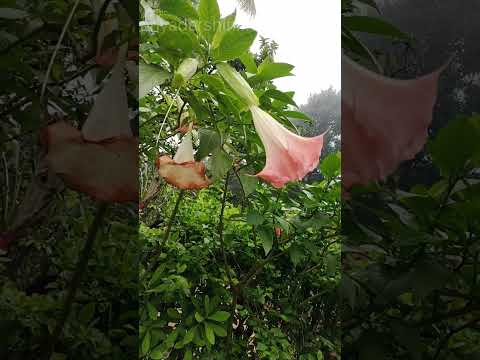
x=410, y=281
x=239, y=269
x=43, y=225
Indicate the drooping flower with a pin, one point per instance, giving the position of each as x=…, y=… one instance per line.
x=183, y=171
x=384, y=121
x=289, y=157
x=101, y=159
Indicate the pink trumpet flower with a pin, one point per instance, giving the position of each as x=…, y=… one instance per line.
x=101, y=160
x=384, y=121
x=183, y=171
x=289, y=156
x=105, y=170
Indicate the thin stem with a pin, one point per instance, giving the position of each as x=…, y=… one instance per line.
x=76, y=280
x=165, y=118
x=172, y=218
x=233, y=288
x=55, y=52
x=220, y=230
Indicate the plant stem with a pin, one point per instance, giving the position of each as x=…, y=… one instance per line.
x=76, y=279
x=172, y=218
x=220, y=230
x=233, y=288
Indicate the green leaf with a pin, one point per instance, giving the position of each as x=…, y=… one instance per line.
x=373, y=25
x=188, y=355
x=280, y=96
x=255, y=218
x=198, y=107
x=146, y=342
x=209, y=17
x=209, y=333
x=296, y=254
x=220, y=164
x=218, y=330
x=296, y=115
x=188, y=338
x=330, y=166
x=224, y=25
x=151, y=76
x=249, y=183
x=249, y=62
x=180, y=8
x=235, y=43
x=371, y=3
x=152, y=311
x=219, y=316
x=158, y=353
x=266, y=236
x=87, y=312
x=176, y=44
x=228, y=21
x=209, y=141
x=449, y=153
x=353, y=44
x=199, y=317
x=269, y=71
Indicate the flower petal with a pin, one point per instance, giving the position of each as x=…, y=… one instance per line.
x=108, y=117
x=185, y=149
x=384, y=121
x=188, y=175
x=106, y=170
x=289, y=156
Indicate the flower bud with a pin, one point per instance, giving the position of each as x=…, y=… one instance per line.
x=185, y=71
x=238, y=84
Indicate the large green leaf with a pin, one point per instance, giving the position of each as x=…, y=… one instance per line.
x=280, y=96
x=330, y=166
x=218, y=330
x=209, y=141
x=209, y=18
x=151, y=76
x=373, y=25
x=220, y=163
x=249, y=62
x=269, y=71
x=180, y=8
x=297, y=115
x=266, y=236
x=255, y=218
x=249, y=183
x=456, y=145
x=220, y=316
x=235, y=43
x=209, y=333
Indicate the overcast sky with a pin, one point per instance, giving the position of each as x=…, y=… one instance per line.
x=308, y=34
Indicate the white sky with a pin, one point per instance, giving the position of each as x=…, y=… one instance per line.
x=308, y=34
